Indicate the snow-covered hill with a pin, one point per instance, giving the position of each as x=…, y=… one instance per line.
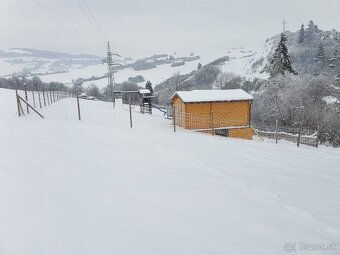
x=33, y=62
x=246, y=62
x=66, y=68
x=70, y=187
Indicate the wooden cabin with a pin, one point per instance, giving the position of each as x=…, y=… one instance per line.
x=224, y=112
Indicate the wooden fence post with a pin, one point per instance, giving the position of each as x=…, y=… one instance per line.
x=26, y=96
x=130, y=112
x=39, y=97
x=174, y=117
x=212, y=123
x=299, y=135
x=33, y=98
x=276, y=127
x=22, y=111
x=43, y=91
x=20, y=98
x=78, y=105
x=16, y=97
x=317, y=137
x=48, y=98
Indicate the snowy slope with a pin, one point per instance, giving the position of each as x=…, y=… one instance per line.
x=156, y=75
x=249, y=62
x=40, y=62
x=69, y=187
x=241, y=62
x=67, y=68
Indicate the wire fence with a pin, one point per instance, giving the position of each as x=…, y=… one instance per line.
x=66, y=106
x=126, y=111
x=299, y=134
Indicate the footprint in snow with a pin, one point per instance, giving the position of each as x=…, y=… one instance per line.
x=298, y=212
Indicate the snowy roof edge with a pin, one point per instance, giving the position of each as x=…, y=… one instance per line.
x=195, y=96
x=143, y=91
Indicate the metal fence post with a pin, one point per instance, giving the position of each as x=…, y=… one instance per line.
x=174, y=117
x=299, y=136
x=26, y=97
x=212, y=123
x=317, y=137
x=276, y=127
x=130, y=112
x=78, y=105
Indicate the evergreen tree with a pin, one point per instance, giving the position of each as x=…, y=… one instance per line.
x=320, y=53
x=199, y=66
x=301, y=38
x=280, y=62
x=148, y=86
x=310, y=32
x=335, y=65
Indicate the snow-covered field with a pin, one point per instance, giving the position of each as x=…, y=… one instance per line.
x=70, y=187
x=7, y=69
x=241, y=62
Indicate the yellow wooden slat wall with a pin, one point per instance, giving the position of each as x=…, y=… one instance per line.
x=198, y=116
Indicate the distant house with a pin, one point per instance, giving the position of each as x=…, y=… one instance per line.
x=227, y=112
x=83, y=96
x=145, y=97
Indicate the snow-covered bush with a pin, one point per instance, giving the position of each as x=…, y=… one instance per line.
x=295, y=99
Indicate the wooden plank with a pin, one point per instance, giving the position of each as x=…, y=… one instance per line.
x=30, y=106
x=16, y=96
x=78, y=105
x=276, y=127
x=130, y=112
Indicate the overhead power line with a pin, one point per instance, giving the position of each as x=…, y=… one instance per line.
x=61, y=24
x=92, y=21
x=97, y=27
x=95, y=21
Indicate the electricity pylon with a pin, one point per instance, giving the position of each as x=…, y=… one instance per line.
x=110, y=75
x=284, y=23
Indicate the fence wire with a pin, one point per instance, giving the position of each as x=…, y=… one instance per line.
x=60, y=105
x=299, y=134
x=63, y=106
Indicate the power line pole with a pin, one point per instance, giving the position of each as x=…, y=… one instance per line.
x=284, y=23
x=109, y=61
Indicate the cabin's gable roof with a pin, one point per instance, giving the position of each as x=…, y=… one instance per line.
x=196, y=96
x=144, y=91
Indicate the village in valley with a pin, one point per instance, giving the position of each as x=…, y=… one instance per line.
x=125, y=150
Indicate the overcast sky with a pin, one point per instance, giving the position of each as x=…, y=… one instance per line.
x=157, y=26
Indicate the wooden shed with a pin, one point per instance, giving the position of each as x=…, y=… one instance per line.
x=145, y=103
x=225, y=112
